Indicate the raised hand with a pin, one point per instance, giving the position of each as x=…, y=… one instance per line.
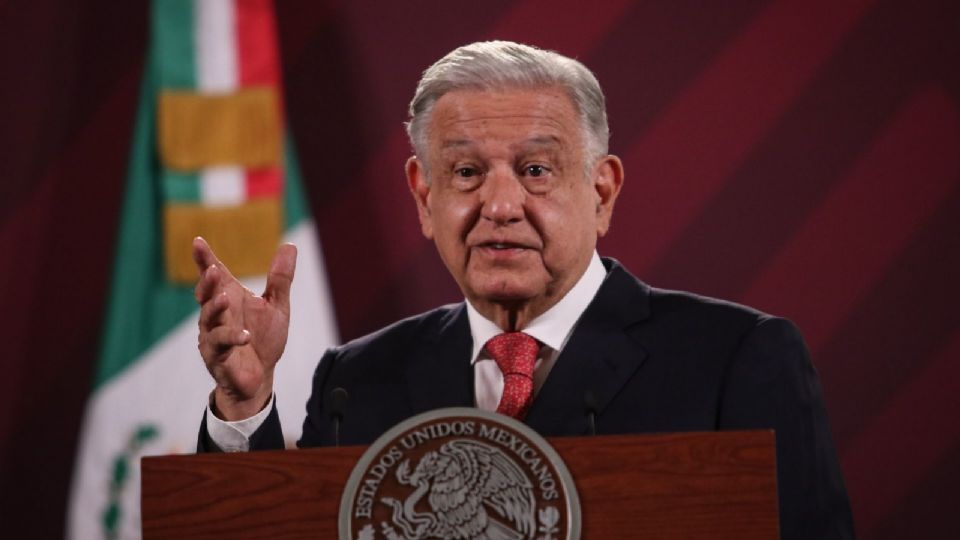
x=242, y=335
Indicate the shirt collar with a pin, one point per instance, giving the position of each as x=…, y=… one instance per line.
x=554, y=326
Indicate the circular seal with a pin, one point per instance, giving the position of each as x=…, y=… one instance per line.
x=460, y=473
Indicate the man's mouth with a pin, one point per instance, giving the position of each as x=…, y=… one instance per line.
x=495, y=252
x=501, y=246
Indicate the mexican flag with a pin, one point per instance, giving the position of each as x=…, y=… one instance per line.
x=209, y=157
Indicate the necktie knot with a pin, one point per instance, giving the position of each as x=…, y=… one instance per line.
x=516, y=355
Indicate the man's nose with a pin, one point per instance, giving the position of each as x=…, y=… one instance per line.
x=503, y=196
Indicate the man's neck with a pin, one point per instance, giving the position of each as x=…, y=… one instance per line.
x=512, y=317
x=515, y=315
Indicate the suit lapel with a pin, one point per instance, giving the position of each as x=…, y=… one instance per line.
x=600, y=357
x=440, y=374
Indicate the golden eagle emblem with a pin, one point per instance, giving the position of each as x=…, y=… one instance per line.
x=474, y=492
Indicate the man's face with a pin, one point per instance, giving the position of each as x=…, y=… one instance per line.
x=509, y=199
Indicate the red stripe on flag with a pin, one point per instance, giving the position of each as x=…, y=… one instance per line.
x=906, y=441
x=258, y=61
x=263, y=183
x=258, y=57
x=709, y=129
x=847, y=243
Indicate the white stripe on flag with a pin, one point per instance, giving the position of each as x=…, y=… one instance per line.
x=215, y=37
x=223, y=186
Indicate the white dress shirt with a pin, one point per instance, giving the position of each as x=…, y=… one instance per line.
x=553, y=329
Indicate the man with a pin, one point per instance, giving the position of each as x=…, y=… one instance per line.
x=513, y=182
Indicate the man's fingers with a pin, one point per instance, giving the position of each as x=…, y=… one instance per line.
x=208, y=284
x=280, y=276
x=222, y=339
x=211, y=313
x=203, y=255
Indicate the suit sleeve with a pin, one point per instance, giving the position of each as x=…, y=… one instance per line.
x=317, y=426
x=771, y=383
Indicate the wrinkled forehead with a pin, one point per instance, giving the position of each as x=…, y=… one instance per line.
x=543, y=117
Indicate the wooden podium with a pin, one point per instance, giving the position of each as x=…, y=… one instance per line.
x=686, y=485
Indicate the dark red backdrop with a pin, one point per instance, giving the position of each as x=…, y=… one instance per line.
x=802, y=156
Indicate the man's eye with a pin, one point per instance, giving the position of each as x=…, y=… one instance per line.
x=466, y=172
x=536, y=170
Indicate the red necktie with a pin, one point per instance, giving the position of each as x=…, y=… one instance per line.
x=515, y=354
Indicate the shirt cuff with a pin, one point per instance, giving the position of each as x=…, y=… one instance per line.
x=235, y=436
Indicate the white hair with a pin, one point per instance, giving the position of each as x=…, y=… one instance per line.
x=503, y=65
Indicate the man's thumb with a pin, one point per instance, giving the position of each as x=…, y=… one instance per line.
x=280, y=276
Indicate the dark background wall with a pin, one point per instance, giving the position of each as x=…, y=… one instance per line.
x=801, y=156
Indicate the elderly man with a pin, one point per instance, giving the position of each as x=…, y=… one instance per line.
x=513, y=182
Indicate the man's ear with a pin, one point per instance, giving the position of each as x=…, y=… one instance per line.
x=420, y=189
x=607, y=180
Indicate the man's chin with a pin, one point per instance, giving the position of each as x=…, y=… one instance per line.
x=507, y=293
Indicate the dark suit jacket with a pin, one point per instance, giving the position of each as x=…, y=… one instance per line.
x=655, y=360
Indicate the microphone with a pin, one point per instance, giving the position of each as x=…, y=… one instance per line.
x=338, y=403
x=590, y=406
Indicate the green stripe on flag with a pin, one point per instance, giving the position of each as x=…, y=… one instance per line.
x=174, y=44
x=142, y=306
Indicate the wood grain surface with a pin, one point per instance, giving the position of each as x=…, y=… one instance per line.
x=688, y=485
